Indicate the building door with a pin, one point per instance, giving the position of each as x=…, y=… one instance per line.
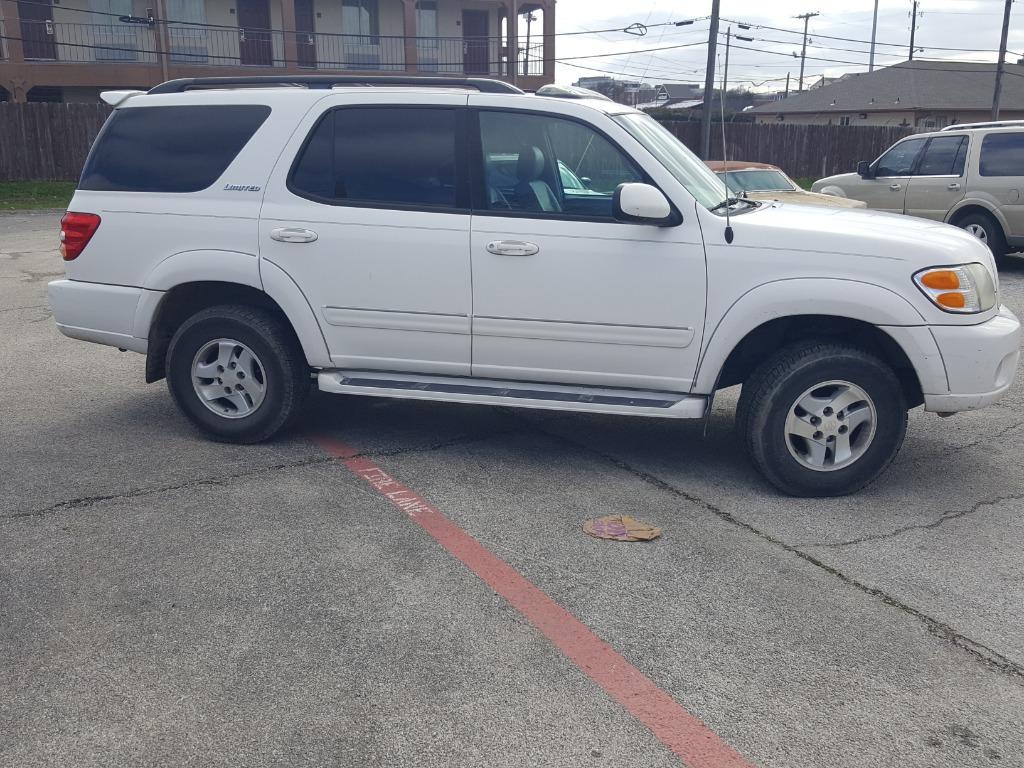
x=254, y=33
x=475, y=46
x=37, y=29
x=304, y=28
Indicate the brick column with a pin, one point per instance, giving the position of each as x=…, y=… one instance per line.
x=513, y=40
x=409, y=31
x=549, y=41
x=12, y=28
x=291, y=46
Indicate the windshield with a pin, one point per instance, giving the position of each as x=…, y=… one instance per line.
x=707, y=188
x=757, y=181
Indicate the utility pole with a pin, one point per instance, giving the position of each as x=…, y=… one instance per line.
x=913, y=29
x=803, y=51
x=1002, y=56
x=709, y=83
x=874, y=31
x=787, y=86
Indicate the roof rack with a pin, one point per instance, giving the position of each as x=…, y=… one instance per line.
x=570, y=92
x=990, y=124
x=481, y=84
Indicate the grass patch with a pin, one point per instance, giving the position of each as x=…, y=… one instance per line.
x=805, y=182
x=35, y=195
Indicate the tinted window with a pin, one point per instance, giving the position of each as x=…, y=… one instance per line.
x=387, y=155
x=169, y=149
x=942, y=157
x=542, y=164
x=1002, y=154
x=899, y=160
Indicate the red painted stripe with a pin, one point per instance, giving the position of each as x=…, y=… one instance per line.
x=678, y=729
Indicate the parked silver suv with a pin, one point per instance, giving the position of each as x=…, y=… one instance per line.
x=971, y=176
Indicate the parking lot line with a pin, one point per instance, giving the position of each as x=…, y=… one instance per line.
x=671, y=723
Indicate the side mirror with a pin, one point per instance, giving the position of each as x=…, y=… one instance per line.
x=587, y=181
x=864, y=170
x=643, y=203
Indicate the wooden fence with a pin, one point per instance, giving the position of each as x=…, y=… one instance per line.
x=800, y=150
x=50, y=141
x=40, y=142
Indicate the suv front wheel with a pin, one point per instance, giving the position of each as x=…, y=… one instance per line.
x=822, y=419
x=237, y=373
x=986, y=229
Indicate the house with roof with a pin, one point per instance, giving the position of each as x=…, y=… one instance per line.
x=923, y=95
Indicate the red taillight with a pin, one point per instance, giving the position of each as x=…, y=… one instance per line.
x=75, y=231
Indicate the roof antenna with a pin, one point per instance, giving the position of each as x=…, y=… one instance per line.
x=725, y=150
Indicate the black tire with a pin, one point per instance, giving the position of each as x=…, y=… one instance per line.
x=775, y=386
x=282, y=368
x=994, y=237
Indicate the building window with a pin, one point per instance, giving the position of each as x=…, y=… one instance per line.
x=844, y=120
x=427, y=43
x=188, y=37
x=360, y=17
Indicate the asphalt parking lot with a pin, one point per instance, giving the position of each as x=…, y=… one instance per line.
x=170, y=601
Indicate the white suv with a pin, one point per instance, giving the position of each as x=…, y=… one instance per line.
x=418, y=241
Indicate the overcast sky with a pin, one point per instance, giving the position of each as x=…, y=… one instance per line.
x=961, y=24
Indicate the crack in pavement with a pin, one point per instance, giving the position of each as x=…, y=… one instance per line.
x=950, y=451
x=987, y=656
x=952, y=514
x=88, y=501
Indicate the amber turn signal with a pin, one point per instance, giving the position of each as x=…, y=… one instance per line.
x=952, y=300
x=941, y=280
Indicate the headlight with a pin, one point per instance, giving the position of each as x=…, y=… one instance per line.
x=962, y=289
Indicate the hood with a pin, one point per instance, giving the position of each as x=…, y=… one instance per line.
x=808, y=198
x=859, y=234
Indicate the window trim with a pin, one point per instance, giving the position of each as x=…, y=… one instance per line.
x=109, y=122
x=927, y=146
x=913, y=166
x=981, y=152
x=478, y=177
x=462, y=185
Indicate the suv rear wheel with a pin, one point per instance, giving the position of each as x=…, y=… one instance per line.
x=822, y=419
x=986, y=229
x=236, y=373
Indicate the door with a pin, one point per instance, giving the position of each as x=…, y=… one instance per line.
x=304, y=27
x=938, y=182
x=887, y=191
x=562, y=292
x=373, y=227
x=475, y=48
x=37, y=30
x=254, y=42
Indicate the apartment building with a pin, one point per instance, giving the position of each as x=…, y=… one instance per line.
x=69, y=50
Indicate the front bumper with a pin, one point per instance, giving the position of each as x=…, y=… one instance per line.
x=97, y=312
x=980, y=361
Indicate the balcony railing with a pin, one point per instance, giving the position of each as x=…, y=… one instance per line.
x=193, y=44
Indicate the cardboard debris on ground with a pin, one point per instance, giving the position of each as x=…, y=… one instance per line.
x=621, y=528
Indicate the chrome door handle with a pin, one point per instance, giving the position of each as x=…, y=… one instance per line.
x=895, y=187
x=293, y=235
x=512, y=248
x=954, y=185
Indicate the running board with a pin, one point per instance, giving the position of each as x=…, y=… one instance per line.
x=516, y=394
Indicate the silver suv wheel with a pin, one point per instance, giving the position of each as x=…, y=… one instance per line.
x=830, y=426
x=228, y=378
x=978, y=231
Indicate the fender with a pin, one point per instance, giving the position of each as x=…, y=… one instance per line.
x=833, y=190
x=197, y=266
x=851, y=299
x=279, y=286
x=241, y=269
x=974, y=202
